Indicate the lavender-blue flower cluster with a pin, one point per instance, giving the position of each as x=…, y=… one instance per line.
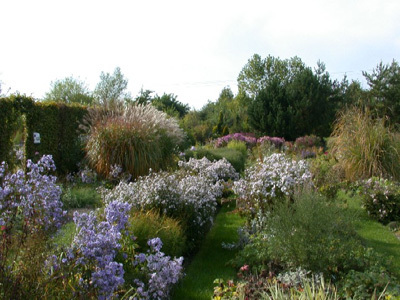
x=162, y=272
x=96, y=245
x=33, y=195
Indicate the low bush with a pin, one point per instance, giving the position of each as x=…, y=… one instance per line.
x=80, y=196
x=148, y=225
x=238, y=145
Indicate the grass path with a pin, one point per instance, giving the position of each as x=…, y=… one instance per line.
x=210, y=262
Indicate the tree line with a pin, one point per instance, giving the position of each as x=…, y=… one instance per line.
x=276, y=97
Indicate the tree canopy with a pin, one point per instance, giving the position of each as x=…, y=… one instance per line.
x=111, y=89
x=69, y=90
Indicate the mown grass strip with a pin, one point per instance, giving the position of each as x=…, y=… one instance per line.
x=210, y=262
x=376, y=235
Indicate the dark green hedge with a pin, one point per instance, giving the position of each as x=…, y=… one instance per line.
x=57, y=124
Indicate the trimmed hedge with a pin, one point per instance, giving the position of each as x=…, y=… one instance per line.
x=57, y=123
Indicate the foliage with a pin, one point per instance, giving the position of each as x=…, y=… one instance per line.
x=239, y=146
x=162, y=272
x=148, y=225
x=80, y=196
x=30, y=207
x=270, y=180
x=364, y=146
x=137, y=138
x=110, y=91
x=69, y=90
x=327, y=175
x=307, y=141
x=269, y=287
x=381, y=199
x=168, y=103
x=384, y=92
x=189, y=195
x=311, y=234
x=247, y=138
x=8, y=124
x=235, y=157
x=288, y=98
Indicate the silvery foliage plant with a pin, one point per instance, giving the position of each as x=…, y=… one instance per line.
x=32, y=196
x=275, y=177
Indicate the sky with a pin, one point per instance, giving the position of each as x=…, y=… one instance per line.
x=192, y=49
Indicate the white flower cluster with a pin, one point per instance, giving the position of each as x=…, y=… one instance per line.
x=189, y=194
x=274, y=177
x=217, y=170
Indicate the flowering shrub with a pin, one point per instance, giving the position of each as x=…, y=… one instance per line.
x=31, y=198
x=276, y=141
x=381, y=199
x=162, y=272
x=189, y=195
x=248, y=138
x=275, y=177
x=95, y=247
x=29, y=207
x=217, y=170
x=307, y=141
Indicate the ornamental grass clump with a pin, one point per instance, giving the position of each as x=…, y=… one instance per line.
x=136, y=138
x=365, y=146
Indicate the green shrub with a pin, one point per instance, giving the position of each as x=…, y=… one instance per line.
x=148, y=225
x=238, y=145
x=308, y=233
x=80, y=197
x=364, y=146
x=327, y=175
x=136, y=138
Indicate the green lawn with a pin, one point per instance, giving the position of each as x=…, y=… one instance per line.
x=374, y=234
x=210, y=262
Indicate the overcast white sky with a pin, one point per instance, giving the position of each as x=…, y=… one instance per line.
x=189, y=48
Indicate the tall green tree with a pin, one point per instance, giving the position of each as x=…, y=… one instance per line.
x=111, y=90
x=384, y=92
x=69, y=90
x=169, y=104
x=293, y=100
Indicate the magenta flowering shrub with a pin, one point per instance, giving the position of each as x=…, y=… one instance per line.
x=248, y=138
x=307, y=141
x=278, y=142
x=30, y=198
